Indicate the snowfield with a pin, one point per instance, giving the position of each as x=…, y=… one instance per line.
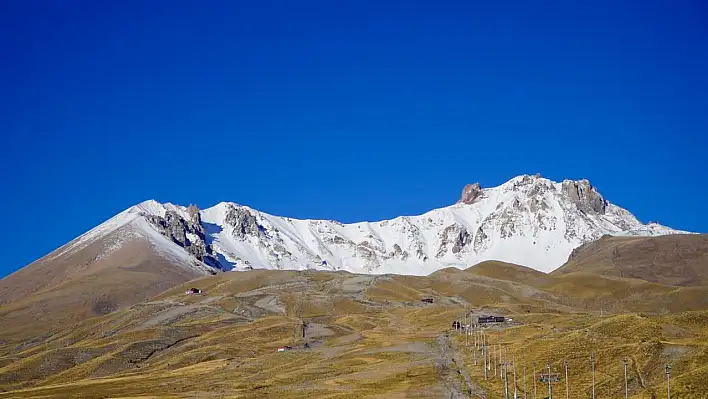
x=528, y=220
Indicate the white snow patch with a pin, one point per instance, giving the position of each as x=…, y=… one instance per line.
x=527, y=220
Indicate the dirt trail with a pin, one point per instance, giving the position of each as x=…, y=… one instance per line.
x=168, y=314
x=270, y=303
x=451, y=370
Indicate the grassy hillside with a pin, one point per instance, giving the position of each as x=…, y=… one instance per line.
x=680, y=260
x=62, y=289
x=368, y=336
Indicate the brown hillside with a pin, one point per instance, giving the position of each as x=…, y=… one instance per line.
x=368, y=336
x=60, y=290
x=678, y=260
x=510, y=272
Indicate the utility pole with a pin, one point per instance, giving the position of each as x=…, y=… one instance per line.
x=484, y=354
x=592, y=363
x=494, y=358
x=667, y=369
x=474, y=347
x=534, y=380
x=505, y=372
x=502, y=358
x=550, y=390
x=513, y=371
x=523, y=359
x=567, y=390
x=468, y=330
x=626, y=390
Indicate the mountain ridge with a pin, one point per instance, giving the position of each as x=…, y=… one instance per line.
x=528, y=220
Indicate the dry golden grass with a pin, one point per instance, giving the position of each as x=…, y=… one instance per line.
x=370, y=335
x=573, y=337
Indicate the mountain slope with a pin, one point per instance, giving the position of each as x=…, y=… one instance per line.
x=528, y=220
x=367, y=336
x=669, y=260
x=121, y=262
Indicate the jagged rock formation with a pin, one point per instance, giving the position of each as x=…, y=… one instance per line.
x=584, y=196
x=187, y=233
x=470, y=193
x=528, y=220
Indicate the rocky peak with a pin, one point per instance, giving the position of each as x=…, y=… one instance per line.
x=193, y=212
x=188, y=234
x=244, y=222
x=584, y=196
x=470, y=193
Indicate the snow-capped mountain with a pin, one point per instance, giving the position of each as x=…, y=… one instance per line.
x=528, y=220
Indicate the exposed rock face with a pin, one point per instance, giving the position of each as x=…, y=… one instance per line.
x=193, y=212
x=244, y=223
x=456, y=235
x=585, y=196
x=248, y=226
x=189, y=234
x=470, y=193
x=528, y=220
x=398, y=253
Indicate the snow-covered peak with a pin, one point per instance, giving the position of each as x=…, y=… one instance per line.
x=528, y=220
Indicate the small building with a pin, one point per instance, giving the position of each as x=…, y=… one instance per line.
x=490, y=319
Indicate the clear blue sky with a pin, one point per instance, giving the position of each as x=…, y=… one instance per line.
x=343, y=110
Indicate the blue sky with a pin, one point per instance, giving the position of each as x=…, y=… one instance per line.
x=343, y=110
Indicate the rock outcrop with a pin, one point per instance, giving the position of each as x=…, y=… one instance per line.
x=470, y=193
x=584, y=196
x=189, y=234
x=455, y=235
x=244, y=223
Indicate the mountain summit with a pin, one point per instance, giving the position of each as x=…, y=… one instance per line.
x=528, y=220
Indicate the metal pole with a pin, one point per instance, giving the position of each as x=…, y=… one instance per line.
x=494, y=357
x=524, y=360
x=550, y=390
x=534, y=380
x=513, y=371
x=467, y=335
x=626, y=390
x=464, y=326
x=484, y=354
x=505, y=372
x=474, y=348
x=668, y=381
x=502, y=354
x=592, y=362
x=567, y=391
